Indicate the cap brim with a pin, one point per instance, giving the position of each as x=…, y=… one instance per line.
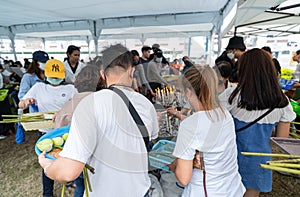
x=56, y=75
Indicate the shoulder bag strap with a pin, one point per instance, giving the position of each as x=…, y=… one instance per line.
x=135, y=116
x=254, y=121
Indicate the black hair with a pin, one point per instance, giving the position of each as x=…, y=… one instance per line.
x=145, y=48
x=266, y=48
x=224, y=68
x=72, y=48
x=134, y=53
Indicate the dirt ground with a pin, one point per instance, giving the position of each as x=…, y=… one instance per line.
x=20, y=173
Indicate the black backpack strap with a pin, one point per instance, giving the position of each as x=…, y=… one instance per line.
x=255, y=121
x=135, y=116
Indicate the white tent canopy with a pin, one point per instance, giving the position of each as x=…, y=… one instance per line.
x=279, y=20
x=101, y=19
x=45, y=19
x=27, y=16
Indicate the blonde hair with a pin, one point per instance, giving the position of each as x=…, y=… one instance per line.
x=204, y=82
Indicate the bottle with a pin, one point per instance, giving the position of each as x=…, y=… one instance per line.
x=20, y=113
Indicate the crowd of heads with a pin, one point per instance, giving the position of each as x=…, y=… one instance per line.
x=254, y=64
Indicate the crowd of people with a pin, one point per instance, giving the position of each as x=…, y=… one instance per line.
x=234, y=106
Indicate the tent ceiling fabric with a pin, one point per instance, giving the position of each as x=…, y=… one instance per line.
x=62, y=10
x=132, y=18
x=48, y=18
x=281, y=20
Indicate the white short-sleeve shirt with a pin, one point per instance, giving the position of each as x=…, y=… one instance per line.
x=215, y=137
x=104, y=134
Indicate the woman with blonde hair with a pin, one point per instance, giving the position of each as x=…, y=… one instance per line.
x=209, y=131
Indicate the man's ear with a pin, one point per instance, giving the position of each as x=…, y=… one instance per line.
x=102, y=74
x=131, y=71
x=188, y=92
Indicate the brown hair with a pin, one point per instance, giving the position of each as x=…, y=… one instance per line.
x=204, y=82
x=258, y=83
x=34, y=68
x=87, y=78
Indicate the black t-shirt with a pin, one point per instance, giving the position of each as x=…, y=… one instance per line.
x=75, y=68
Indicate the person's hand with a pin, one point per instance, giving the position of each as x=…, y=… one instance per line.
x=152, y=93
x=296, y=85
x=25, y=103
x=54, y=117
x=196, y=161
x=171, y=111
x=172, y=166
x=43, y=161
x=30, y=101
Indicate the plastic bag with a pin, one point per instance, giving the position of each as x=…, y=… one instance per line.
x=170, y=185
x=155, y=188
x=20, y=135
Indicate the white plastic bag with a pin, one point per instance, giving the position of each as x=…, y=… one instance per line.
x=170, y=185
x=155, y=188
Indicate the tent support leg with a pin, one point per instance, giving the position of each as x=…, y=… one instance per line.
x=11, y=36
x=189, y=47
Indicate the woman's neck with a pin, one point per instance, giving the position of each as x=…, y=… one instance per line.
x=72, y=63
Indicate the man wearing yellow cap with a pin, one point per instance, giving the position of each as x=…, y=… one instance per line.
x=49, y=96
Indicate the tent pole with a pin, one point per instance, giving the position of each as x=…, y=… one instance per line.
x=96, y=44
x=88, y=44
x=11, y=36
x=96, y=34
x=189, y=48
x=143, y=39
x=44, y=43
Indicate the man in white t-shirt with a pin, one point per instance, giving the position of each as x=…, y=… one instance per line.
x=104, y=135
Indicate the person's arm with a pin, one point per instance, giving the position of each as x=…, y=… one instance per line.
x=24, y=86
x=282, y=129
x=30, y=96
x=56, y=169
x=175, y=113
x=183, y=170
x=144, y=80
x=155, y=72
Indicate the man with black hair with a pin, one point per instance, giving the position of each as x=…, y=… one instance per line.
x=145, y=58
